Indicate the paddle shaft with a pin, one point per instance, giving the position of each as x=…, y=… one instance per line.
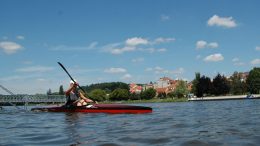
x=72, y=78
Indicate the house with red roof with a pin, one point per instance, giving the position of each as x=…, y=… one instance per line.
x=134, y=88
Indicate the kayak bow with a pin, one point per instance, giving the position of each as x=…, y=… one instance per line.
x=99, y=108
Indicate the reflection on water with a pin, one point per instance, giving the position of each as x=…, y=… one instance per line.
x=71, y=127
x=210, y=123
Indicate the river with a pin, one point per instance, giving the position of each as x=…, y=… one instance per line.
x=212, y=123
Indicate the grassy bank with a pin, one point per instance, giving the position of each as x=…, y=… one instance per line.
x=155, y=100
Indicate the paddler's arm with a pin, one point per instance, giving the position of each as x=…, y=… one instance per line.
x=85, y=98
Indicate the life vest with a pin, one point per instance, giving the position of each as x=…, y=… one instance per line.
x=73, y=96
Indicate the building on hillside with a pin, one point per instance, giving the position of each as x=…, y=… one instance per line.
x=165, y=85
x=189, y=86
x=163, y=82
x=147, y=86
x=134, y=88
x=243, y=76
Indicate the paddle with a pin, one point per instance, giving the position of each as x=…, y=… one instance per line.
x=73, y=79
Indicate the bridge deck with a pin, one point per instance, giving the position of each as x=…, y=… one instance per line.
x=32, y=99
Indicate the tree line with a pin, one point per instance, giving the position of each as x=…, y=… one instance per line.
x=201, y=86
x=116, y=91
x=221, y=85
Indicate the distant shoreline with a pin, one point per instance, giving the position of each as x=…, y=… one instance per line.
x=229, y=97
x=159, y=100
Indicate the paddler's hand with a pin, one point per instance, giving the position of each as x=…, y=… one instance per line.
x=75, y=84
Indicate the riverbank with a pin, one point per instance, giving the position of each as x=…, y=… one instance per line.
x=208, y=98
x=155, y=100
x=231, y=97
x=163, y=100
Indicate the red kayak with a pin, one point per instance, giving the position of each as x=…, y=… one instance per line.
x=99, y=108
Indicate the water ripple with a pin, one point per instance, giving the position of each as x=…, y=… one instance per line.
x=216, y=123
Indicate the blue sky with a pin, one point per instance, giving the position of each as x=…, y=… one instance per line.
x=129, y=41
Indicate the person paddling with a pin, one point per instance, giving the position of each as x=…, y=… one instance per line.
x=75, y=97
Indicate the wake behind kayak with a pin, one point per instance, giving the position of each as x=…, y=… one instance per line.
x=99, y=108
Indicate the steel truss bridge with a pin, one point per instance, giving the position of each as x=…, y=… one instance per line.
x=24, y=99
x=13, y=99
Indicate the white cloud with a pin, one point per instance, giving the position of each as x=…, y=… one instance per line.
x=255, y=62
x=165, y=17
x=162, y=50
x=257, y=48
x=91, y=46
x=132, y=44
x=214, y=58
x=11, y=78
x=178, y=71
x=203, y=44
x=35, y=69
x=82, y=71
x=137, y=60
x=20, y=37
x=115, y=70
x=150, y=50
x=198, y=56
x=117, y=51
x=110, y=47
x=41, y=80
x=149, y=69
x=162, y=40
x=136, y=41
x=160, y=70
x=235, y=59
x=27, y=62
x=213, y=45
x=227, y=22
x=26, y=83
x=10, y=47
x=237, y=62
x=126, y=77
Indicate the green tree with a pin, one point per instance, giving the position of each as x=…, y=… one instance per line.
x=162, y=95
x=253, y=81
x=171, y=95
x=237, y=85
x=98, y=95
x=119, y=94
x=61, y=91
x=49, y=92
x=220, y=85
x=195, y=83
x=181, y=89
x=204, y=86
x=134, y=96
x=148, y=94
x=108, y=87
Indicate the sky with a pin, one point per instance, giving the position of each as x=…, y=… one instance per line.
x=132, y=41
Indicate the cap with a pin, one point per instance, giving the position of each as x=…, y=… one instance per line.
x=72, y=82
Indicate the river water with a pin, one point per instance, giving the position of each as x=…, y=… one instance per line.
x=212, y=123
